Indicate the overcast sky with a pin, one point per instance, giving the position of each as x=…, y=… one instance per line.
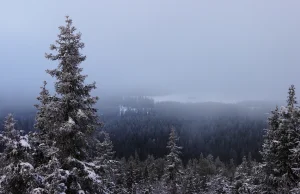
x=223, y=50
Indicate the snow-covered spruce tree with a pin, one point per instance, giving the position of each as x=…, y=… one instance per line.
x=105, y=165
x=173, y=168
x=190, y=178
x=151, y=169
x=287, y=138
x=43, y=139
x=73, y=118
x=294, y=135
x=149, y=176
x=243, y=181
x=218, y=184
x=77, y=117
x=17, y=172
x=296, y=166
x=269, y=152
x=278, y=153
x=42, y=117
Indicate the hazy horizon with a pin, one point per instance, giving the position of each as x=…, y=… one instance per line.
x=211, y=51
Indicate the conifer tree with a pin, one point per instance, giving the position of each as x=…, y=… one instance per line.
x=45, y=123
x=104, y=161
x=42, y=117
x=17, y=171
x=219, y=165
x=190, y=178
x=280, y=141
x=287, y=138
x=68, y=120
x=130, y=178
x=138, y=169
x=151, y=168
x=294, y=136
x=173, y=166
x=76, y=119
x=269, y=151
x=242, y=180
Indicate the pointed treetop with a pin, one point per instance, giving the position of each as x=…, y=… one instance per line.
x=291, y=97
x=9, y=126
x=9, y=121
x=173, y=138
x=72, y=109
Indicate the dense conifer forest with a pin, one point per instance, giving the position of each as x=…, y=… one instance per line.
x=71, y=145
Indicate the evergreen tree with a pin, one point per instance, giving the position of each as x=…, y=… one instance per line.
x=151, y=168
x=130, y=178
x=104, y=161
x=242, y=180
x=17, y=171
x=42, y=140
x=269, y=152
x=219, y=165
x=293, y=136
x=138, y=168
x=190, y=178
x=173, y=166
x=278, y=153
x=76, y=119
x=287, y=139
x=121, y=183
x=160, y=165
x=44, y=118
x=68, y=119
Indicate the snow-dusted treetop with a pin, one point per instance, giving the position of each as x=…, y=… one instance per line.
x=73, y=108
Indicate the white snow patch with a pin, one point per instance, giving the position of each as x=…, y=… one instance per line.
x=91, y=174
x=71, y=121
x=38, y=191
x=284, y=109
x=80, y=113
x=26, y=165
x=2, y=178
x=24, y=142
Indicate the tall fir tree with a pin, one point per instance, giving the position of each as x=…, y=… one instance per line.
x=173, y=168
x=281, y=139
x=77, y=119
x=287, y=138
x=293, y=135
x=269, y=151
x=68, y=120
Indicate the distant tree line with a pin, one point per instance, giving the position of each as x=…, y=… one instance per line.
x=227, y=136
x=145, y=128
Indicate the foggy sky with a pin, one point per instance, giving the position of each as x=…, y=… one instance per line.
x=221, y=50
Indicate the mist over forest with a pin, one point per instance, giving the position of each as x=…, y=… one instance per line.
x=149, y=97
x=141, y=125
